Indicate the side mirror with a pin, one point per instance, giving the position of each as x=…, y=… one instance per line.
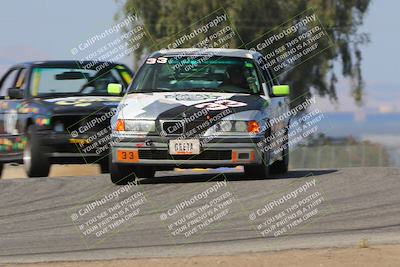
x=280, y=90
x=114, y=89
x=15, y=93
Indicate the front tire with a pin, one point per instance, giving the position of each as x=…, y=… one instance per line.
x=262, y=170
x=144, y=171
x=123, y=174
x=1, y=169
x=282, y=166
x=104, y=166
x=120, y=174
x=259, y=171
x=36, y=163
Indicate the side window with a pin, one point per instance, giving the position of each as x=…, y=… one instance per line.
x=8, y=82
x=266, y=73
x=21, y=79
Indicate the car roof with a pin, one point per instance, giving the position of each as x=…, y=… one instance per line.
x=241, y=53
x=60, y=63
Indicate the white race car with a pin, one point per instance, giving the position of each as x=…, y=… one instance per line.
x=201, y=108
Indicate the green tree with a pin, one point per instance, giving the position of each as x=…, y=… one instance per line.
x=340, y=18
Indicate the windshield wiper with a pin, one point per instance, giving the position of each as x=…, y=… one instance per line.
x=157, y=90
x=183, y=90
x=199, y=90
x=217, y=90
x=238, y=92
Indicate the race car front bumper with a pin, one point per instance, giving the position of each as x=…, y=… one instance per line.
x=219, y=152
x=61, y=148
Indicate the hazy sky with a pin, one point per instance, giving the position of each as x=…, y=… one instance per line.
x=49, y=29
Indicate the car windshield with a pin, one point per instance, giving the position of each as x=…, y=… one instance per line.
x=197, y=73
x=55, y=81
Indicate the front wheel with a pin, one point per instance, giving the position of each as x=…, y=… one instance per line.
x=104, y=166
x=120, y=174
x=123, y=174
x=1, y=169
x=144, y=171
x=36, y=163
x=259, y=171
x=282, y=166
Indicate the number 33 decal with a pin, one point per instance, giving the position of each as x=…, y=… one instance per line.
x=221, y=104
x=160, y=60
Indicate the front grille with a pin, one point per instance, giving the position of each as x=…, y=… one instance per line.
x=182, y=127
x=172, y=127
x=205, y=155
x=196, y=127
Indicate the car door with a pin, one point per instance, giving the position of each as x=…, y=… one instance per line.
x=11, y=134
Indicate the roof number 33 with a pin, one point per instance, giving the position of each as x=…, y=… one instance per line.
x=160, y=60
x=221, y=104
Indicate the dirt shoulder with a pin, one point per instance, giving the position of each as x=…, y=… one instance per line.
x=387, y=255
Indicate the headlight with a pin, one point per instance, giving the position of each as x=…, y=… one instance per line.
x=241, y=126
x=226, y=127
x=137, y=126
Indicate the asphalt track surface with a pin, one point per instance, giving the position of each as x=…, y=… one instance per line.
x=36, y=224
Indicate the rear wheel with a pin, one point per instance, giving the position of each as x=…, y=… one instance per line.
x=36, y=163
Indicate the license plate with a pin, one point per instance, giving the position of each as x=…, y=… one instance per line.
x=127, y=155
x=184, y=147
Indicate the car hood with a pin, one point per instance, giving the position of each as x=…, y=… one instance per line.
x=79, y=104
x=155, y=106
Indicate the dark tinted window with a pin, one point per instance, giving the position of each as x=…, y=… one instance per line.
x=9, y=82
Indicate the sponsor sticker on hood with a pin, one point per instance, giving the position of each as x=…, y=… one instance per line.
x=170, y=105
